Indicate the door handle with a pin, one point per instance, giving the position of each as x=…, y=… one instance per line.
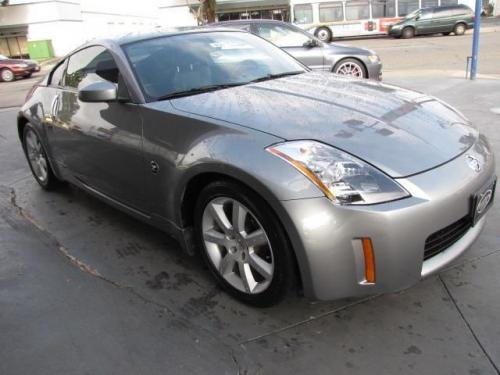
x=51, y=118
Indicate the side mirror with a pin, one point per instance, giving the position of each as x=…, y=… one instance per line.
x=310, y=43
x=417, y=18
x=100, y=91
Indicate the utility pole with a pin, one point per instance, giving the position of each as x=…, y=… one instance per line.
x=475, y=39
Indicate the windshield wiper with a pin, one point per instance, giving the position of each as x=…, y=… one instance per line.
x=279, y=75
x=199, y=90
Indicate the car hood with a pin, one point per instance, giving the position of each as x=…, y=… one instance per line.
x=342, y=49
x=401, y=132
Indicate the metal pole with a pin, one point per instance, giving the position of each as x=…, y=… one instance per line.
x=475, y=39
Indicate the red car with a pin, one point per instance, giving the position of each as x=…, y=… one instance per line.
x=11, y=69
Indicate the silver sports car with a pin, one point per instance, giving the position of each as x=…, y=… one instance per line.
x=279, y=177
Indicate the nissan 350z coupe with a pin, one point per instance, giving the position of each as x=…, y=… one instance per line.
x=279, y=177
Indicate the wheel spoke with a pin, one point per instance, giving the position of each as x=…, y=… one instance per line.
x=256, y=238
x=247, y=278
x=226, y=264
x=239, y=216
x=218, y=214
x=31, y=141
x=218, y=238
x=261, y=266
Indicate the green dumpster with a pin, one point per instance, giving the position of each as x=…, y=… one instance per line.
x=40, y=49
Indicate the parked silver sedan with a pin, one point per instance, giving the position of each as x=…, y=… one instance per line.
x=312, y=52
x=278, y=177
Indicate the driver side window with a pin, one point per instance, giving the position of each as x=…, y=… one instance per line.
x=282, y=36
x=89, y=65
x=425, y=14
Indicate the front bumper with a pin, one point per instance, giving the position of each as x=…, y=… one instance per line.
x=395, y=32
x=325, y=236
x=374, y=70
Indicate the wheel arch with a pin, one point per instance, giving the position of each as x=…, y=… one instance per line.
x=351, y=58
x=21, y=124
x=198, y=181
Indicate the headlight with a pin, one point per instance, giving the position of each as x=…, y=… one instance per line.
x=342, y=177
x=21, y=65
x=373, y=58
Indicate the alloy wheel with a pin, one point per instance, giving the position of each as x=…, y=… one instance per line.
x=350, y=69
x=237, y=245
x=36, y=156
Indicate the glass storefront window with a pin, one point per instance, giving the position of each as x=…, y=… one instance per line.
x=303, y=13
x=357, y=10
x=406, y=6
x=330, y=12
x=384, y=8
x=429, y=3
x=449, y=2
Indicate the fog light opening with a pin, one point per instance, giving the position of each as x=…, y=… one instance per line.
x=369, y=258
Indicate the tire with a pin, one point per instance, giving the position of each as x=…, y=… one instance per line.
x=408, y=32
x=28, y=75
x=324, y=34
x=6, y=75
x=459, y=29
x=350, y=67
x=447, y=33
x=37, y=159
x=226, y=257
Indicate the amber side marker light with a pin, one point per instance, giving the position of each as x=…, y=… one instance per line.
x=369, y=256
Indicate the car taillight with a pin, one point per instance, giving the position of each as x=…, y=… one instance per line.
x=30, y=93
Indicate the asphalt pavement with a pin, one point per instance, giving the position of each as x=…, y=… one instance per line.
x=85, y=289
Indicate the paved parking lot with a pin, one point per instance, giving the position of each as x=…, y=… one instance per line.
x=86, y=289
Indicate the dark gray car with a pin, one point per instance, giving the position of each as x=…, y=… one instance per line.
x=277, y=176
x=310, y=51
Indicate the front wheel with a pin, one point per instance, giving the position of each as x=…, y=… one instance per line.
x=408, y=32
x=243, y=244
x=324, y=34
x=459, y=29
x=350, y=67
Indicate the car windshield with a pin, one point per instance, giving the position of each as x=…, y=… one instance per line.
x=187, y=64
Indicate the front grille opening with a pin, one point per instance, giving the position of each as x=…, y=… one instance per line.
x=444, y=238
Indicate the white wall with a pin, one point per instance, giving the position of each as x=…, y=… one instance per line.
x=176, y=16
x=65, y=35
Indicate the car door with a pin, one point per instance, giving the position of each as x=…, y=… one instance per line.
x=441, y=20
x=99, y=144
x=295, y=42
x=425, y=22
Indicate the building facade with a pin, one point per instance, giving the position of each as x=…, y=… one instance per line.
x=68, y=23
